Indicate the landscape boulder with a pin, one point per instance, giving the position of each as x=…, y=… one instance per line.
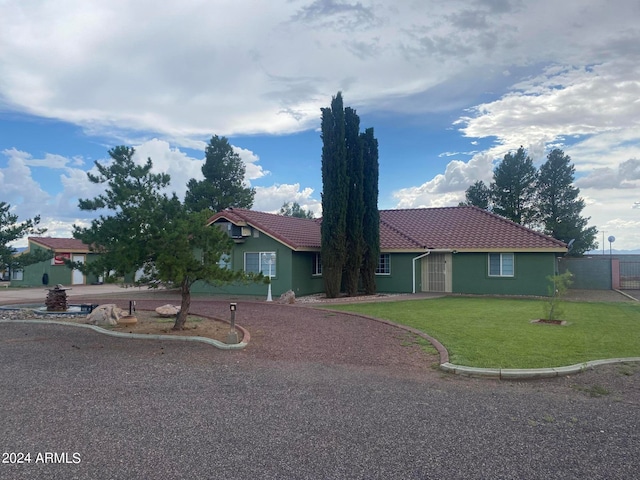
x=107, y=314
x=167, y=310
x=288, y=297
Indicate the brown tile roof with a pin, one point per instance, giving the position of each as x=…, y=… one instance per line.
x=60, y=244
x=449, y=228
x=297, y=233
x=460, y=228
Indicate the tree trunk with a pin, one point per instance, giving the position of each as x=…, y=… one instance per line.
x=181, y=318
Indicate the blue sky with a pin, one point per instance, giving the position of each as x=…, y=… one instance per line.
x=448, y=87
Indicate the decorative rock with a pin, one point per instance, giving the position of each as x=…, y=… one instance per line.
x=168, y=310
x=128, y=320
x=288, y=297
x=107, y=314
x=56, y=300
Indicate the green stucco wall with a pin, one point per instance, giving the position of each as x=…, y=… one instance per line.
x=399, y=280
x=263, y=243
x=470, y=275
x=58, y=274
x=303, y=282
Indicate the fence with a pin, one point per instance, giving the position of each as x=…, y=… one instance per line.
x=603, y=272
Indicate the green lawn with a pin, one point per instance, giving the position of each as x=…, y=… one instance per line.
x=497, y=333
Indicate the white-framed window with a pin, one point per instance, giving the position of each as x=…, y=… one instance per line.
x=384, y=264
x=260, y=262
x=501, y=265
x=316, y=268
x=17, y=274
x=225, y=261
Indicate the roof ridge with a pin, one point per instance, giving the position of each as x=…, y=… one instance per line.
x=401, y=233
x=419, y=208
x=521, y=227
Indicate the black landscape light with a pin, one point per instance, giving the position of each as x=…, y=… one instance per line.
x=232, y=338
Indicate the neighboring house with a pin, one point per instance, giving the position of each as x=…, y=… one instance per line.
x=452, y=249
x=54, y=271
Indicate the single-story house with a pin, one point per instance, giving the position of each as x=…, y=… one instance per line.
x=453, y=249
x=54, y=271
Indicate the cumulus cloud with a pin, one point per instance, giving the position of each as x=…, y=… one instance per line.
x=59, y=211
x=253, y=171
x=627, y=175
x=270, y=199
x=19, y=188
x=170, y=160
x=563, y=101
x=448, y=188
x=184, y=70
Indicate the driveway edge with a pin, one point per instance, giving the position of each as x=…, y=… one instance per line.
x=530, y=373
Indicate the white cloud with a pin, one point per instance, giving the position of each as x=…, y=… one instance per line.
x=167, y=159
x=19, y=188
x=253, y=170
x=627, y=175
x=182, y=71
x=270, y=199
x=448, y=188
x=611, y=210
x=563, y=101
x=60, y=211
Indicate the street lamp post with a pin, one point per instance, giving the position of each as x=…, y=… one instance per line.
x=269, y=259
x=232, y=337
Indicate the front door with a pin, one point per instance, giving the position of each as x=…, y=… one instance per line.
x=436, y=272
x=77, y=277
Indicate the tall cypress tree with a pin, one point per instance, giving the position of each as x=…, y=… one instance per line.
x=355, y=202
x=334, y=196
x=371, y=219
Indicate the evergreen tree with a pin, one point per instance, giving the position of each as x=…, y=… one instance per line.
x=514, y=188
x=223, y=184
x=477, y=195
x=355, y=202
x=151, y=231
x=559, y=205
x=334, y=196
x=12, y=230
x=293, y=209
x=371, y=219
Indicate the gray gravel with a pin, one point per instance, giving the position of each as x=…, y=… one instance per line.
x=146, y=409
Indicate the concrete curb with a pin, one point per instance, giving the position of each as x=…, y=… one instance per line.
x=143, y=336
x=530, y=373
x=627, y=295
x=497, y=373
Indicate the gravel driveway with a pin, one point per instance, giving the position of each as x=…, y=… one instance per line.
x=315, y=395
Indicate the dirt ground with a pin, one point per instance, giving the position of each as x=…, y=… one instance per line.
x=149, y=322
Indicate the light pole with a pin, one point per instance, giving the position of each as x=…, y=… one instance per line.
x=232, y=337
x=269, y=259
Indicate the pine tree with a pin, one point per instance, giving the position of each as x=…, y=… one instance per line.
x=223, y=184
x=559, y=205
x=514, y=188
x=151, y=231
x=12, y=230
x=293, y=209
x=477, y=195
x=371, y=219
x=334, y=196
